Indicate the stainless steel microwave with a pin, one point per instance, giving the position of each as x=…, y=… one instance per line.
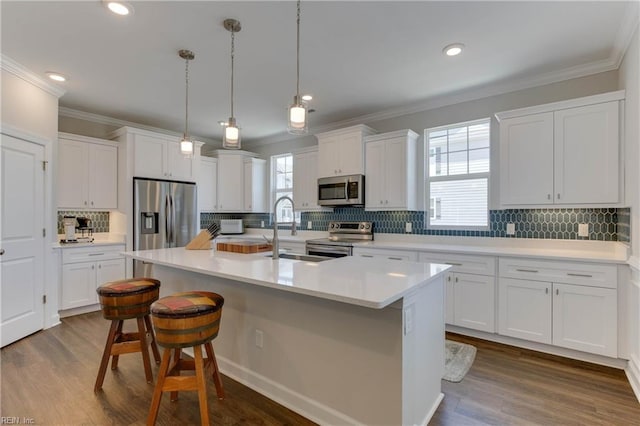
x=341, y=191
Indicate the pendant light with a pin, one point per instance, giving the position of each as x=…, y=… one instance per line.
x=297, y=120
x=186, y=144
x=231, y=138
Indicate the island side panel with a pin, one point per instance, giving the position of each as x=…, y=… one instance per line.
x=332, y=362
x=423, y=352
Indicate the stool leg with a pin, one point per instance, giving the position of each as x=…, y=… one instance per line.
x=217, y=380
x=157, y=393
x=175, y=370
x=114, y=360
x=145, y=350
x=154, y=345
x=202, y=385
x=105, y=355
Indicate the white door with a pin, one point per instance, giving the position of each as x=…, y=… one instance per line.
x=22, y=243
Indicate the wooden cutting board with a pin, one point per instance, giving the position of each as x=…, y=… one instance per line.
x=244, y=247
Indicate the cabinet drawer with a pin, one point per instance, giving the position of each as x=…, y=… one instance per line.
x=482, y=265
x=586, y=274
x=91, y=254
x=386, y=254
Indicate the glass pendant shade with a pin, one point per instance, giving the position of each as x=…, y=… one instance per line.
x=186, y=147
x=297, y=122
x=231, y=138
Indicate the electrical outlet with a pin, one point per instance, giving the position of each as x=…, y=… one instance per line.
x=511, y=229
x=262, y=224
x=259, y=338
x=309, y=224
x=408, y=227
x=583, y=230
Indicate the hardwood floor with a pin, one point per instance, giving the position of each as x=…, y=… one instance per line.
x=49, y=378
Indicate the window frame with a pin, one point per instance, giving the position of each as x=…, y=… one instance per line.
x=455, y=177
x=276, y=193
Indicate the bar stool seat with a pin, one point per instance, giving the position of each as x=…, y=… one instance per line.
x=120, y=301
x=183, y=320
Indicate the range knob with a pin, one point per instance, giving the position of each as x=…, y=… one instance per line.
x=361, y=226
x=368, y=226
x=332, y=225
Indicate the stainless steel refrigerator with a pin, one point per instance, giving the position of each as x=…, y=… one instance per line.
x=165, y=215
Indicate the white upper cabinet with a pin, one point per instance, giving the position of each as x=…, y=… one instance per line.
x=255, y=185
x=565, y=153
x=208, y=184
x=390, y=169
x=242, y=182
x=305, y=180
x=87, y=173
x=341, y=152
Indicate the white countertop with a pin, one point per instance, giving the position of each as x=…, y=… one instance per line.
x=357, y=281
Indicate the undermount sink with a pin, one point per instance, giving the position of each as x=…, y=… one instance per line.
x=303, y=257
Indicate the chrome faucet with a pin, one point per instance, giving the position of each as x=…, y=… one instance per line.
x=275, y=243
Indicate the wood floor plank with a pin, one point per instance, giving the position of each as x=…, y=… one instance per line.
x=49, y=377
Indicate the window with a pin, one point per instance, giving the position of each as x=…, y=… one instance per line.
x=457, y=181
x=282, y=183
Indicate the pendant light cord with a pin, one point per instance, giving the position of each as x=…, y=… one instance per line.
x=298, y=56
x=233, y=50
x=186, y=101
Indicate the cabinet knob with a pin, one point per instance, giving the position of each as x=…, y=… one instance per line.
x=99, y=266
x=557, y=292
x=85, y=203
x=558, y=195
x=93, y=266
x=546, y=290
x=380, y=201
x=386, y=201
x=92, y=203
x=1, y=252
x=456, y=279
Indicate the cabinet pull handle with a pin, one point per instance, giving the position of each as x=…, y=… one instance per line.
x=366, y=255
x=558, y=195
x=92, y=203
x=548, y=196
x=1, y=252
x=93, y=266
x=546, y=290
x=395, y=258
x=557, y=292
x=571, y=274
x=99, y=266
x=449, y=278
x=95, y=254
x=456, y=279
x=526, y=270
x=453, y=264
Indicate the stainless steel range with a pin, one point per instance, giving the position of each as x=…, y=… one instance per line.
x=342, y=235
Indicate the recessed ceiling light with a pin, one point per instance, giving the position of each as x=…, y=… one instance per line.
x=453, y=49
x=119, y=7
x=307, y=97
x=56, y=76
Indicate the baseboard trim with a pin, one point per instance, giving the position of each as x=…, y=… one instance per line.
x=306, y=407
x=433, y=409
x=633, y=374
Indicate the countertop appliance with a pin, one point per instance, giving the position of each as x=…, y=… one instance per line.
x=341, y=191
x=342, y=235
x=165, y=215
x=231, y=226
x=69, y=224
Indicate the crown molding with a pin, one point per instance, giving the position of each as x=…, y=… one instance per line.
x=20, y=71
x=627, y=28
x=103, y=119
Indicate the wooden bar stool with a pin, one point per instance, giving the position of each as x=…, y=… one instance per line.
x=122, y=300
x=184, y=320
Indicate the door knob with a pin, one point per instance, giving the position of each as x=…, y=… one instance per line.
x=1, y=252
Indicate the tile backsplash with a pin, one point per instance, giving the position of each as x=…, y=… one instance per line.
x=606, y=224
x=99, y=220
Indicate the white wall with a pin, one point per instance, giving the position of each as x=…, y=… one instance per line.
x=32, y=110
x=630, y=81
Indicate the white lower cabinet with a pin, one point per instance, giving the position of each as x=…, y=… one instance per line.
x=385, y=254
x=579, y=313
x=469, y=289
x=84, y=269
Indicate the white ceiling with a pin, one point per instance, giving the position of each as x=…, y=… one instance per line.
x=357, y=58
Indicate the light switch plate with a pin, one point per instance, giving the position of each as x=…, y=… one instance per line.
x=511, y=229
x=309, y=224
x=583, y=230
x=408, y=227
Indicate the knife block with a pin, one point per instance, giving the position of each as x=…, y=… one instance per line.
x=202, y=241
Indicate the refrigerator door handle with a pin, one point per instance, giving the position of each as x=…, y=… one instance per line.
x=167, y=220
x=173, y=222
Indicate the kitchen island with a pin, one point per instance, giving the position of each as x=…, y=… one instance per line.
x=345, y=341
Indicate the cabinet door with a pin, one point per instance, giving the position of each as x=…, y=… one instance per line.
x=230, y=183
x=248, y=187
x=586, y=154
x=107, y=271
x=474, y=302
x=395, y=175
x=78, y=285
x=350, y=154
x=180, y=166
x=525, y=309
x=305, y=181
x=207, y=184
x=526, y=160
x=150, y=157
x=585, y=318
x=103, y=177
x=73, y=179
x=375, y=183
x=328, y=157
